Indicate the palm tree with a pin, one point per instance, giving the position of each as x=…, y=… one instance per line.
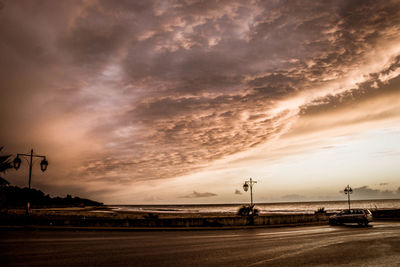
x=5, y=162
x=4, y=182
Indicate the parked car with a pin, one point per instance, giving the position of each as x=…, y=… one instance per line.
x=360, y=216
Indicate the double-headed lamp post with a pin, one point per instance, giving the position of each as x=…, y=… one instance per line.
x=246, y=186
x=43, y=166
x=43, y=163
x=348, y=191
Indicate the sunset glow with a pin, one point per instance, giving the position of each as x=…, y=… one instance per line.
x=141, y=102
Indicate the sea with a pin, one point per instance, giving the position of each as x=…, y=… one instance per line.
x=264, y=208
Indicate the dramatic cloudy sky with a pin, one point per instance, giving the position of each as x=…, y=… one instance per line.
x=182, y=101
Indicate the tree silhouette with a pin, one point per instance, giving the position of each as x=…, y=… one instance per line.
x=5, y=162
x=247, y=210
x=4, y=182
x=14, y=196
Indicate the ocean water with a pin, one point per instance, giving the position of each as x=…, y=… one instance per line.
x=264, y=208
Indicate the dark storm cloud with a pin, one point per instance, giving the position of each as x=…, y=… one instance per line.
x=199, y=195
x=214, y=100
x=371, y=88
x=238, y=192
x=158, y=89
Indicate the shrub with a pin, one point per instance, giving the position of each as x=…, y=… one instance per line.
x=247, y=210
x=320, y=210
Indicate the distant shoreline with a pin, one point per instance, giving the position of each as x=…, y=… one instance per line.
x=258, y=203
x=264, y=208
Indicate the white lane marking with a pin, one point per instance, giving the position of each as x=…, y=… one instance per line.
x=310, y=247
x=64, y=239
x=301, y=250
x=209, y=236
x=299, y=231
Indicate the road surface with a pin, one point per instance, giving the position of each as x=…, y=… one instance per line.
x=325, y=245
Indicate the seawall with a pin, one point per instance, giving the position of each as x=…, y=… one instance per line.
x=152, y=220
x=267, y=220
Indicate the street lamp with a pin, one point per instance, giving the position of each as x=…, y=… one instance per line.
x=348, y=191
x=17, y=163
x=247, y=185
x=43, y=164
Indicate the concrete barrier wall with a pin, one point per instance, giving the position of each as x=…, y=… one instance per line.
x=201, y=222
x=171, y=222
x=263, y=220
x=229, y=221
x=386, y=214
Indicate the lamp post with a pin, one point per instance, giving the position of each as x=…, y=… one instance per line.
x=43, y=163
x=43, y=166
x=348, y=191
x=246, y=186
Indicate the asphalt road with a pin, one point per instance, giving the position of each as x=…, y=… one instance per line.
x=378, y=244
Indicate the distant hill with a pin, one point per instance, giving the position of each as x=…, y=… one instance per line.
x=14, y=196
